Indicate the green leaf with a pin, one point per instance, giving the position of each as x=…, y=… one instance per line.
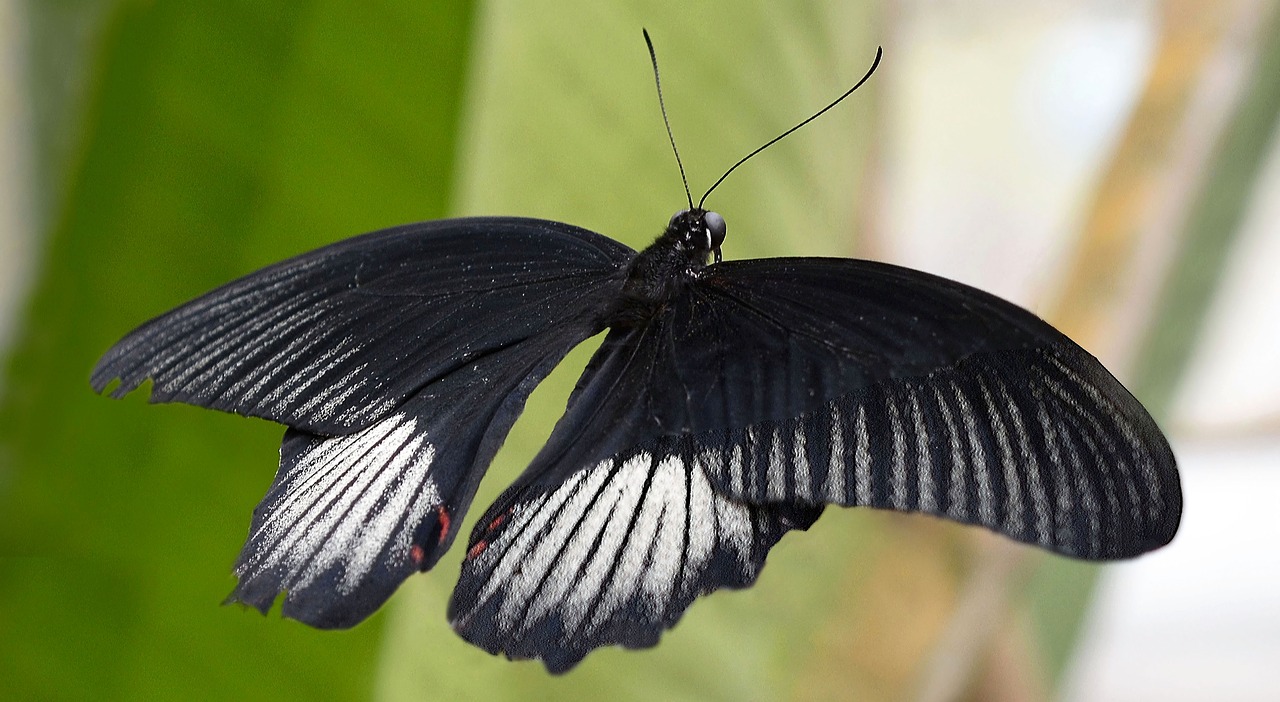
x=219, y=137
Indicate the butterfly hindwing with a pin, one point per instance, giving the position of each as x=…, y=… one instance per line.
x=613, y=530
x=348, y=518
x=335, y=339
x=611, y=556
x=338, y=529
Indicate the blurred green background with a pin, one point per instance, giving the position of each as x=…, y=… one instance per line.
x=158, y=149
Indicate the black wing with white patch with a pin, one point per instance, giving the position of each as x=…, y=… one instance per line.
x=336, y=339
x=613, y=530
x=348, y=518
x=613, y=555
x=400, y=359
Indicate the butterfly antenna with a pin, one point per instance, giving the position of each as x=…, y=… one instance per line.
x=771, y=142
x=653, y=57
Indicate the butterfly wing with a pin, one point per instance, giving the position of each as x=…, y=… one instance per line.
x=614, y=555
x=943, y=400
x=349, y=517
x=568, y=560
x=615, y=552
x=772, y=387
x=400, y=360
x=336, y=339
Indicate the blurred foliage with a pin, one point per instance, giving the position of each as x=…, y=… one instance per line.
x=64, y=38
x=1136, y=180
x=216, y=138
x=1214, y=220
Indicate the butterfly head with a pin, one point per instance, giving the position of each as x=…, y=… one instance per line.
x=699, y=232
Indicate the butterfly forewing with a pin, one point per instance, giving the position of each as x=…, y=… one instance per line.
x=947, y=401
x=334, y=340
x=1002, y=440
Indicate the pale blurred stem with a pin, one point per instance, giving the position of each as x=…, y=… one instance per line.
x=1131, y=188
x=1259, y=429
x=979, y=613
x=873, y=183
x=1143, y=200
x=1213, y=225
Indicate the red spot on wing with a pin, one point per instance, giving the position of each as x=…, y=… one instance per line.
x=497, y=521
x=443, y=516
x=417, y=554
x=479, y=546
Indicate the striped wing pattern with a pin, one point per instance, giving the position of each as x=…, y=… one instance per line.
x=1030, y=444
x=337, y=529
x=399, y=361
x=335, y=339
x=350, y=517
x=613, y=555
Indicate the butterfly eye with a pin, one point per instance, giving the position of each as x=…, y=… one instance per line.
x=676, y=216
x=716, y=227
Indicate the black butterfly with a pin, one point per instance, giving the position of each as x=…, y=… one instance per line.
x=729, y=403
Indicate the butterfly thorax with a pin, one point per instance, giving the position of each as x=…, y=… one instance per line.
x=660, y=271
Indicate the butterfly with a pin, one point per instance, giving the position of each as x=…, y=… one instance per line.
x=729, y=403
